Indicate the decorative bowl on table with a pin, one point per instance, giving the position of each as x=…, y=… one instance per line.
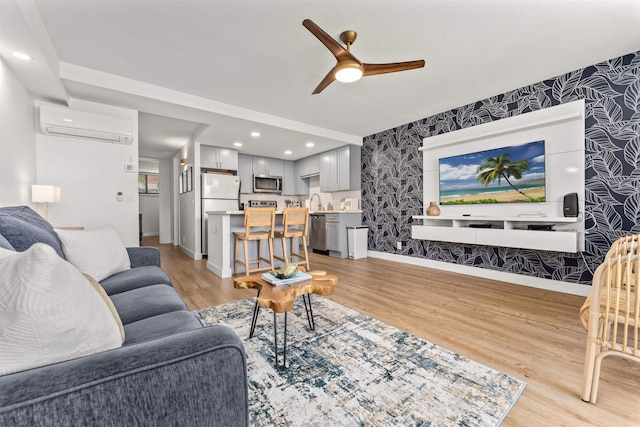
x=286, y=270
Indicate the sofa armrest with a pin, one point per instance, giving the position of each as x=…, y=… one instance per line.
x=193, y=378
x=144, y=256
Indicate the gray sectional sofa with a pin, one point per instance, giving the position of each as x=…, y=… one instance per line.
x=170, y=370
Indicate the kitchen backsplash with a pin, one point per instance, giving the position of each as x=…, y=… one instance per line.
x=314, y=187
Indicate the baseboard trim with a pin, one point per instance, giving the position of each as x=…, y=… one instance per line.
x=518, y=279
x=151, y=234
x=193, y=255
x=219, y=271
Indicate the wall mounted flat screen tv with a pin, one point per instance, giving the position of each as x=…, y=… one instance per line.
x=513, y=174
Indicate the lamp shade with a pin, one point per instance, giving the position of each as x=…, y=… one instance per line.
x=45, y=194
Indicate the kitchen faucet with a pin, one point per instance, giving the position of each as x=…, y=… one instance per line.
x=319, y=201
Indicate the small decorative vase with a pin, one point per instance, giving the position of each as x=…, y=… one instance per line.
x=433, y=209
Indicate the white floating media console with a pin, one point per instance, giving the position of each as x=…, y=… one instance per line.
x=510, y=232
x=505, y=224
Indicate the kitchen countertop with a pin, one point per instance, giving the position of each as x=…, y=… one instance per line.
x=239, y=212
x=334, y=212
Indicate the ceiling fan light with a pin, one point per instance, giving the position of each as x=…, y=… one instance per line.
x=349, y=72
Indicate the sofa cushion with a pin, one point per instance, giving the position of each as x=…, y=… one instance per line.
x=138, y=277
x=98, y=252
x=160, y=326
x=4, y=244
x=107, y=300
x=138, y=304
x=23, y=227
x=49, y=311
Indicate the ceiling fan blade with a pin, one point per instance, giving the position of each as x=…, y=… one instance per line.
x=336, y=48
x=373, y=69
x=328, y=79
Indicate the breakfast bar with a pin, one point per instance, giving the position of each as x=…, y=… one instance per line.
x=221, y=244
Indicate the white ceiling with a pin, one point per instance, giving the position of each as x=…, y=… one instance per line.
x=242, y=65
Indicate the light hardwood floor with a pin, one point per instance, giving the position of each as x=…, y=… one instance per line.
x=531, y=334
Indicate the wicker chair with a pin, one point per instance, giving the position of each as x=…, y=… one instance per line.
x=612, y=327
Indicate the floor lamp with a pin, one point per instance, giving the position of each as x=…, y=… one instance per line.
x=45, y=194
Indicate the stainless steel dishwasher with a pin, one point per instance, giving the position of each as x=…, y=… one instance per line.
x=317, y=232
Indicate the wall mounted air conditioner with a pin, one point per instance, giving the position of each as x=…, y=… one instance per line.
x=62, y=121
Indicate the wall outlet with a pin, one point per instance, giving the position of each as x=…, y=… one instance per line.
x=398, y=245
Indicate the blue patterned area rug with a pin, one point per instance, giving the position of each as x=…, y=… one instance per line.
x=357, y=371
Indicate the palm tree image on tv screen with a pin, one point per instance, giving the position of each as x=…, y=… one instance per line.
x=513, y=174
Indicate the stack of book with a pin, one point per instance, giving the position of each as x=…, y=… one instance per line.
x=273, y=279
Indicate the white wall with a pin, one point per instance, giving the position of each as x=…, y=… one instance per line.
x=165, y=201
x=150, y=210
x=150, y=203
x=90, y=174
x=189, y=206
x=17, y=141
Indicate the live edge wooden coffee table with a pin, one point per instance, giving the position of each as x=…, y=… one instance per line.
x=281, y=298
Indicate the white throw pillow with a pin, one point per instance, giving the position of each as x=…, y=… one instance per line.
x=98, y=252
x=49, y=312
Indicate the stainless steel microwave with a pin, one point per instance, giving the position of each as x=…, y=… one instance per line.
x=267, y=184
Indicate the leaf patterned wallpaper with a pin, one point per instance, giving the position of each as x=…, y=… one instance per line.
x=392, y=172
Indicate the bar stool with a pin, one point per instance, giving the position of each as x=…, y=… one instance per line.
x=295, y=223
x=264, y=218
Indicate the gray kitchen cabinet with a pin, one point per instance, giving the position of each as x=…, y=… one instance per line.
x=309, y=166
x=301, y=183
x=328, y=171
x=340, y=169
x=348, y=167
x=333, y=236
x=268, y=166
x=288, y=180
x=336, y=231
x=245, y=172
x=218, y=158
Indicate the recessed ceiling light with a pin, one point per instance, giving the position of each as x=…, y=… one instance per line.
x=22, y=56
x=237, y=144
x=255, y=134
x=287, y=152
x=310, y=144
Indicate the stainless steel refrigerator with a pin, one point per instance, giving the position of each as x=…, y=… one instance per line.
x=219, y=193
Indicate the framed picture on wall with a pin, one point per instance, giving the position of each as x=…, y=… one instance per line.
x=189, y=180
x=184, y=181
x=180, y=183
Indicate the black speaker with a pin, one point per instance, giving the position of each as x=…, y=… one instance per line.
x=570, y=205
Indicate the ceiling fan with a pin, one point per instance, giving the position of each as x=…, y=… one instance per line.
x=349, y=68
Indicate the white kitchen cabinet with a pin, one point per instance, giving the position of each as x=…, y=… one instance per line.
x=245, y=172
x=218, y=158
x=268, y=166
